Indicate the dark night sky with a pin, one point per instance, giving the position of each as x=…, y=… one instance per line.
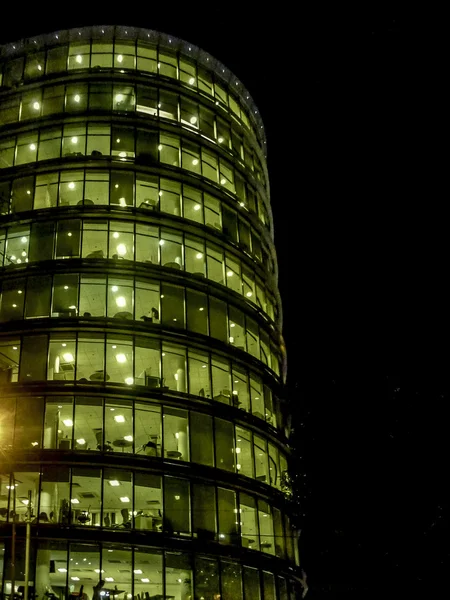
x=334, y=91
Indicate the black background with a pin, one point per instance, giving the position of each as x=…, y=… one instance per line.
x=340, y=93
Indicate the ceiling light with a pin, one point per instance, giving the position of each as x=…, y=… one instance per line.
x=232, y=324
x=62, y=570
x=137, y=571
x=114, y=483
x=25, y=502
x=76, y=98
x=121, y=301
x=121, y=358
x=223, y=181
x=195, y=162
x=161, y=242
x=68, y=422
x=109, y=578
x=71, y=185
x=74, y=140
x=229, y=273
x=197, y=206
x=75, y=501
x=115, y=235
x=200, y=309
x=249, y=294
x=119, y=97
x=120, y=58
x=199, y=255
x=122, y=202
x=192, y=80
x=128, y=438
x=36, y=106
x=68, y=356
x=114, y=288
x=32, y=146
x=121, y=249
x=129, y=381
x=119, y=418
x=193, y=120
x=81, y=441
x=78, y=58
x=145, y=580
x=75, y=578
x=124, y=499
x=220, y=140
x=122, y=154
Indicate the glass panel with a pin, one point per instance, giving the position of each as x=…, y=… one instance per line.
x=148, y=574
x=90, y=359
x=29, y=423
x=221, y=380
x=225, y=446
x=269, y=586
x=249, y=523
x=85, y=499
x=228, y=516
x=199, y=383
x=266, y=527
x=206, y=578
x=176, y=434
x=9, y=360
x=172, y=305
x=46, y=192
x=204, y=511
x=195, y=256
x=148, y=429
x=119, y=425
x=68, y=239
x=240, y=389
x=178, y=576
x=38, y=297
x=147, y=368
x=176, y=506
x=193, y=202
x=231, y=577
x=244, y=451
x=147, y=502
x=174, y=367
x=218, y=319
x=261, y=462
x=201, y=439
x=147, y=302
x=65, y=296
x=33, y=360
x=120, y=298
x=280, y=548
x=117, y=499
x=12, y=299
x=58, y=423
x=94, y=239
x=92, y=296
x=61, y=358
x=96, y=188
x=88, y=430
x=197, y=312
x=22, y=194
x=170, y=196
x=119, y=360
x=54, y=504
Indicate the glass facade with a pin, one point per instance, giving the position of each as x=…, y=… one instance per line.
x=143, y=427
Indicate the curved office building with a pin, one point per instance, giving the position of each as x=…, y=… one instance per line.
x=143, y=433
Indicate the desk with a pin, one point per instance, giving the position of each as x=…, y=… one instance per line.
x=173, y=454
x=96, y=254
x=122, y=444
x=142, y=522
x=172, y=265
x=99, y=376
x=123, y=315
